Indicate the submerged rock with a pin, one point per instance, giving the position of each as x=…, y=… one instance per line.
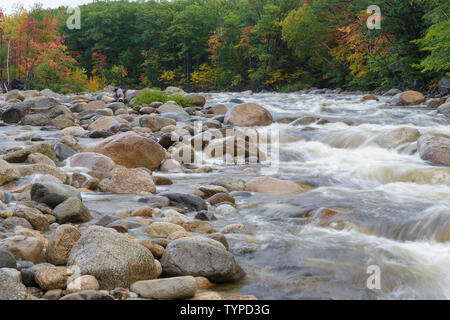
x=435, y=149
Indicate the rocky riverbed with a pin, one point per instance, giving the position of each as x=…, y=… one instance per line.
x=244, y=196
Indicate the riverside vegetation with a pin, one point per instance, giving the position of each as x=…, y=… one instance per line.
x=98, y=200
x=281, y=45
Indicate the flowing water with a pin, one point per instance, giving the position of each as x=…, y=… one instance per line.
x=370, y=205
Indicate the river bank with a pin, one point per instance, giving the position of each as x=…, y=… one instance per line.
x=99, y=197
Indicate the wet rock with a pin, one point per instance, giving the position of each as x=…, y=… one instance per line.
x=170, y=288
x=88, y=295
x=163, y=229
x=435, y=103
x=170, y=165
x=50, y=278
x=15, y=112
x=94, y=105
x=410, y=98
x=119, y=225
x=196, y=99
x=198, y=256
x=27, y=248
x=33, y=216
x=113, y=259
x=275, y=186
x=22, y=155
x=247, y=115
x=63, y=151
x=186, y=201
x=7, y=172
x=102, y=124
x=178, y=234
x=11, y=223
x=132, y=150
x=198, y=226
x=162, y=181
x=225, y=210
x=230, y=183
x=114, y=106
x=43, y=169
x=61, y=243
x=220, y=198
x=171, y=107
x=203, y=283
x=155, y=123
x=368, y=97
x=14, y=95
x=207, y=295
x=71, y=210
x=205, y=216
x=99, y=165
x=232, y=228
x=218, y=109
x=396, y=137
x=54, y=294
x=83, y=283
x=11, y=287
x=128, y=181
x=145, y=211
x=97, y=134
x=445, y=109
x=105, y=220
x=210, y=190
x=7, y=259
x=39, y=158
x=52, y=194
x=28, y=277
x=434, y=149
x=154, y=248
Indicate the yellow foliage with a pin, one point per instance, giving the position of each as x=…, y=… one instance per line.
x=203, y=77
x=167, y=77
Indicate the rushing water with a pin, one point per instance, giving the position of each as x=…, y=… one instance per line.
x=393, y=208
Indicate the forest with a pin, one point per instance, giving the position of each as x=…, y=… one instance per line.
x=280, y=45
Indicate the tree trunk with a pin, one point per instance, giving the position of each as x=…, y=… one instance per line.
x=7, y=62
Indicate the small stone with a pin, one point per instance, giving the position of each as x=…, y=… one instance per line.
x=163, y=229
x=7, y=259
x=72, y=210
x=54, y=294
x=154, y=248
x=178, y=234
x=232, y=228
x=170, y=288
x=83, y=283
x=145, y=211
x=49, y=278
x=199, y=226
x=203, y=283
x=61, y=243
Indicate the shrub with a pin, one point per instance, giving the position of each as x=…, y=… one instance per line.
x=151, y=95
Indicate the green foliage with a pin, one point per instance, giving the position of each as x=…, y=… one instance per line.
x=235, y=44
x=151, y=95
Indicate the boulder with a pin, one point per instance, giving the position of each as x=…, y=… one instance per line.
x=99, y=165
x=27, y=248
x=392, y=92
x=8, y=173
x=171, y=107
x=132, y=150
x=218, y=109
x=368, y=97
x=170, y=288
x=396, y=137
x=112, y=258
x=445, y=109
x=94, y=105
x=11, y=287
x=128, y=181
x=196, y=99
x=197, y=256
x=22, y=155
x=7, y=259
x=410, y=98
x=52, y=194
x=15, y=112
x=163, y=229
x=434, y=149
x=71, y=210
x=247, y=115
x=155, y=123
x=187, y=201
x=60, y=244
x=102, y=123
x=275, y=186
x=35, y=217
